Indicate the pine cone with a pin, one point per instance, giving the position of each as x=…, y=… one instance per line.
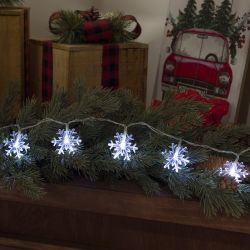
x=89, y=15
x=228, y=182
x=214, y=162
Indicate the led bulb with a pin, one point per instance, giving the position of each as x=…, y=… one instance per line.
x=234, y=169
x=122, y=146
x=67, y=141
x=16, y=145
x=176, y=158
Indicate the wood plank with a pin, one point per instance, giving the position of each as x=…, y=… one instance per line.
x=119, y=217
x=8, y=243
x=36, y=55
x=86, y=47
x=12, y=50
x=113, y=202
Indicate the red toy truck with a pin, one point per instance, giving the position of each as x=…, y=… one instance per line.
x=199, y=59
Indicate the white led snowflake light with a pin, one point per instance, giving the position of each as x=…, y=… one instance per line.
x=67, y=141
x=122, y=146
x=16, y=145
x=176, y=157
x=235, y=169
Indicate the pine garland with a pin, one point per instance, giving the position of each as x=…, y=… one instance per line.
x=93, y=161
x=6, y=3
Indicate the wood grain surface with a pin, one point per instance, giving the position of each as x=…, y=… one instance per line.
x=118, y=217
x=12, y=50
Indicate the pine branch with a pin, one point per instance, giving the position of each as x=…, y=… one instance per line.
x=9, y=105
x=15, y=176
x=68, y=27
x=148, y=185
x=197, y=155
x=29, y=113
x=216, y=200
x=99, y=101
x=244, y=192
x=178, y=184
x=29, y=183
x=119, y=27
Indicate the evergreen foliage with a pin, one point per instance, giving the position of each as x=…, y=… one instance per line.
x=68, y=27
x=205, y=18
x=224, y=19
x=227, y=23
x=119, y=27
x=186, y=18
x=10, y=2
x=94, y=162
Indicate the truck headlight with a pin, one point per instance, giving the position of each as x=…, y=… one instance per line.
x=224, y=78
x=170, y=67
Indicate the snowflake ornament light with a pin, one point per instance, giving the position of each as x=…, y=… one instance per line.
x=235, y=169
x=67, y=141
x=16, y=145
x=123, y=146
x=176, y=157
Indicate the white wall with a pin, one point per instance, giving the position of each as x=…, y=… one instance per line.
x=42, y=9
x=151, y=15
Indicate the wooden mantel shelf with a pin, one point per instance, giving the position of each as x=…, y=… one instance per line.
x=125, y=201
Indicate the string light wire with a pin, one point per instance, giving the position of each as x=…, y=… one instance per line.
x=126, y=127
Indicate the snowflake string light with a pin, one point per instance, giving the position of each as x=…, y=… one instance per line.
x=176, y=157
x=16, y=144
x=67, y=141
x=235, y=169
x=122, y=147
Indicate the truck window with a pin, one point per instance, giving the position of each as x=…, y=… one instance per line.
x=216, y=46
x=200, y=46
x=188, y=45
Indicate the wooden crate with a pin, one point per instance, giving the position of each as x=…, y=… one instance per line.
x=36, y=64
x=98, y=217
x=13, y=39
x=74, y=62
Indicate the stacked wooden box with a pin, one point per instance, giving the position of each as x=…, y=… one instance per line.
x=84, y=62
x=14, y=34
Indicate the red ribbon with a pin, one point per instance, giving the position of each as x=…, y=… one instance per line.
x=98, y=29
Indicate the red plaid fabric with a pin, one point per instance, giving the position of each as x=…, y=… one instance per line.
x=47, y=71
x=110, y=66
x=98, y=31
